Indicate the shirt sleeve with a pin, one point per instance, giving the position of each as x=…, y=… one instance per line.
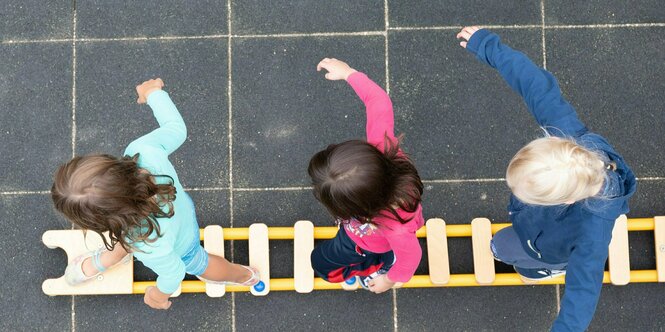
x=538, y=87
x=407, y=252
x=172, y=131
x=168, y=266
x=379, y=109
x=584, y=280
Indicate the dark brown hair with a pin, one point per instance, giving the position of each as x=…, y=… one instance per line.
x=354, y=179
x=106, y=193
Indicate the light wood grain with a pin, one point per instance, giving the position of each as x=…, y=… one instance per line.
x=483, y=260
x=437, y=251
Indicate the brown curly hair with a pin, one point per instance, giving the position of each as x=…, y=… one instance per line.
x=106, y=193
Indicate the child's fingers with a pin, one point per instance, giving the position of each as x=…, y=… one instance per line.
x=464, y=35
x=470, y=30
x=167, y=305
x=328, y=76
x=160, y=82
x=463, y=44
x=323, y=64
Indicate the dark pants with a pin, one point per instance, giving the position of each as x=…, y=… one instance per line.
x=507, y=248
x=340, y=258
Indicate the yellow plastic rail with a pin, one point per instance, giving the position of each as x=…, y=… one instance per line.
x=286, y=233
x=418, y=281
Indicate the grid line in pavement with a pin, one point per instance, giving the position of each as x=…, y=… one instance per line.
x=341, y=34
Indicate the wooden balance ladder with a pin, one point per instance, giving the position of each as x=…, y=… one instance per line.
x=120, y=279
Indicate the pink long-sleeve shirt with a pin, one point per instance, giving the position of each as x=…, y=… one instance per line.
x=388, y=234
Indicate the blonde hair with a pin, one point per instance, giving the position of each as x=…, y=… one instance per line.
x=553, y=171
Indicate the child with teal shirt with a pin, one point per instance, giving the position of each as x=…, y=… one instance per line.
x=140, y=201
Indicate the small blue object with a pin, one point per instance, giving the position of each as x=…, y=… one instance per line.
x=350, y=281
x=260, y=286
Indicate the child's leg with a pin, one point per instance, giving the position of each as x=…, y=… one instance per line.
x=507, y=248
x=200, y=263
x=107, y=259
x=219, y=269
x=340, y=258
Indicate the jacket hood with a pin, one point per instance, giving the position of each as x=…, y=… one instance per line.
x=619, y=186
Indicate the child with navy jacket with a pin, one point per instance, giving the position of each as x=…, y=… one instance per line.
x=568, y=188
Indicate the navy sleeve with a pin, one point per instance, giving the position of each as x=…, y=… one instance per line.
x=537, y=86
x=584, y=279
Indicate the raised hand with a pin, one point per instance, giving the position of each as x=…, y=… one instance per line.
x=146, y=88
x=337, y=70
x=466, y=34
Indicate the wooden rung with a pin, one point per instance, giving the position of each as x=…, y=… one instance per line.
x=303, y=244
x=619, y=261
x=214, y=245
x=259, y=258
x=659, y=234
x=437, y=251
x=117, y=280
x=483, y=260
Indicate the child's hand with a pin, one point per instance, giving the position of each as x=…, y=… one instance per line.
x=466, y=34
x=148, y=87
x=337, y=70
x=380, y=284
x=156, y=299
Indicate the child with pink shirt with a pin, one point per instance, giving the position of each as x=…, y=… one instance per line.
x=373, y=190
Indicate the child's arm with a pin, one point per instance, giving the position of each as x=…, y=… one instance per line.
x=407, y=252
x=584, y=279
x=172, y=131
x=379, y=108
x=537, y=86
x=170, y=272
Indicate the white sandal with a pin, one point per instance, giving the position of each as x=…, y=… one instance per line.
x=254, y=279
x=74, y=272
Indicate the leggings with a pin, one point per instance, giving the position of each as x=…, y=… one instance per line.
x=340, y=258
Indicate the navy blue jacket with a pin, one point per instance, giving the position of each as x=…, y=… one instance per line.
x=579, y=233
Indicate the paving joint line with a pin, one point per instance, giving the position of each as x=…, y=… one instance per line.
x=207, y=189
x=386, y=25
x=558, y=298
x=605, y=26
x=261, y=189
x=542, y=32
x=435, y=181
x=24, y=192
x=334, y=34
x=73, y=129
x=458, y=27
x=386, y=20
x=651, y=178
x=395, y=322
x=229, y=96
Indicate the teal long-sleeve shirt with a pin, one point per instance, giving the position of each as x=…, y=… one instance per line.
x=163, y=256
